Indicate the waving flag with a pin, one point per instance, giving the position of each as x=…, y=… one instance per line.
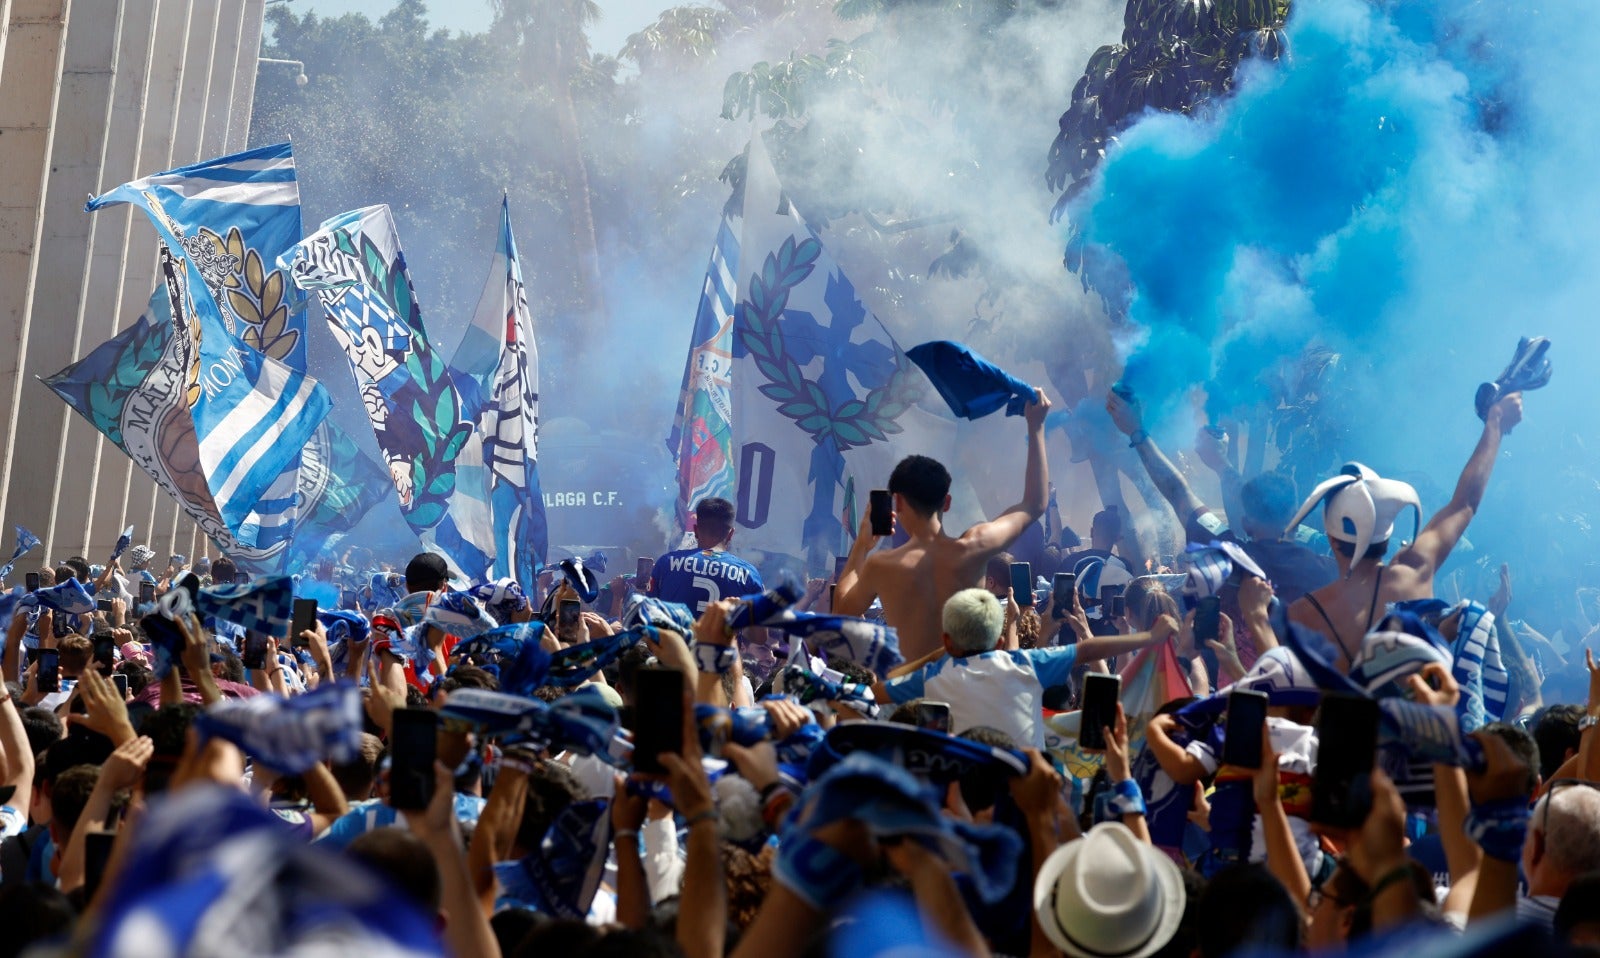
x=434, y=455
x=261, y=605
x=251, y=413
x=291, y=734
x=702, y=431
x=496, y=372
x=26, y=541
x=123, y=541
x=819, y=384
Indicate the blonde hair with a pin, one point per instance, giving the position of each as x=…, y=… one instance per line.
x=1146, y=600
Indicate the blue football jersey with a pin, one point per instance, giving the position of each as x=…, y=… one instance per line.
x=699, y=577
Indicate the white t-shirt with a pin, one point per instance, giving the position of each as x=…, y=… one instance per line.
x=1003, y=690
x=1296, y=748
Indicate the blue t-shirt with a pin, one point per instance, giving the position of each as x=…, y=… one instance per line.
x=698, y=577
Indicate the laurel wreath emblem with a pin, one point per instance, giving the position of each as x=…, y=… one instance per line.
x=254, y=294
x=854, y=422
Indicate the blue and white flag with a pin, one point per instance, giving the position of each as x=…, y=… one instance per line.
x=123, y=541
x=433, y=452
x=252, y=413
x=69, y=598
x=496, y=372
x=210, y=872
x=869, y=644
x=290, y=735
x=512, y=654
x=702, y=430
x=26, y=541
x=561, y=877
x=822, y=391
x=264, y=605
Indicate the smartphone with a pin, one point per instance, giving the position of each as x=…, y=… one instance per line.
x=642, y=570
x=1022, y=583
x=49, y=672
x=31, y=582
x=1207, y=618
x=570, y=613
x=934, y=716
x=1241, y=742
x=347, y=599
x=305, y=617
x=254, y=655
x=839, y=562
x=1347, y=745
x=120, y=680
x=103, y=606
x=658, y=718
x=105, y=650
x=242, y=578
x=881, y=506
x=1100, y=695
x=833, y=590
x=1119, y=606
x=96, y=854
x=413, y=746
x=1064, y=586
x=147, y=593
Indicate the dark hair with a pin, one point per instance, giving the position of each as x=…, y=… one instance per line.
x=426, y=572
x=75, y=653
x=1555, y=730
x=1580, y=905
x=402, y=858
x=43, y=727
x=1245, y=908
x=31, y=912
x=1376, y=550
x=223, y=571
x=1184, y=941
x=1270, y=499
x=906, y=712
x=981, y=789
x=551, y=788
x=628, y=665
x=468, y=677
x=1523, y=745
x=232, y=665
x=139, y=676
x=633, y=943
x=168, y=728
x=554, y=936
x=999, y=568
x=69, y=795
x=922, y=482
x=713, y=515
x=80, y=568
x=1110, y=514
x=854, y=671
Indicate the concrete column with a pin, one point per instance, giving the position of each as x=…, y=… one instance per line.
x=47, y=482
x=155, y=154
x=109, y=263
x=5, y=27
x=31, y=79
x=244, y=80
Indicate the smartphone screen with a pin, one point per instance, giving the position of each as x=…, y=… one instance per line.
x=242, y=578
x=839, y=562
x=347, y=599
x=413, y=745
x=1062, y=588
x=96, y=854
x=120, y=680
x=1207, y=618
x=642, y=570
x=31, y=581
x=147, y=593
x=1022, y=584
x=103, y=606
x=1107, y=594
x=658, y=717
x=1347, y=744
x=934, y=716
x=105, y=650
x=305, y=617
x=571, y=611
x=49, y=674
x=1241, y=743
x=881, y=505
x=1119, y=606
x=254, y=655
x=1100, y=694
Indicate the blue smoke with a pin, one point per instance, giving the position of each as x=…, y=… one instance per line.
x=1413, y=188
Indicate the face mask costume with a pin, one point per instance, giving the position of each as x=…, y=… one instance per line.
x=1360, y=508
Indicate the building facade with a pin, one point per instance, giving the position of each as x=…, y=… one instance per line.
x=94, y=93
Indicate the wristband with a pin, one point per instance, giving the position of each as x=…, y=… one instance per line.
x=716, y=659
x=1126, y=798
x=819, y=874
x=1499, y=828
x=622, y=833
x=709, y=815
x=1137, y=438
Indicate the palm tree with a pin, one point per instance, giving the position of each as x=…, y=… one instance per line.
x=554, y=52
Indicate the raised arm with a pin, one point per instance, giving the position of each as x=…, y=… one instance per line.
x=1173, y=487
x=1449, y=524
x=1004, y=529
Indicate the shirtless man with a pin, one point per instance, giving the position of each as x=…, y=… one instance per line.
x=1359, y=514
x=916, y=579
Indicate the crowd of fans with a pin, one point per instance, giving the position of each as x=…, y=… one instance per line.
x=909, y=756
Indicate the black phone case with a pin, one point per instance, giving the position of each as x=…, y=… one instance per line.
x=658, y=718
x=1099, y=710
x=411, y=768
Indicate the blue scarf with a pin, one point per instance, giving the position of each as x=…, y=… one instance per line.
x=291, y=735
x=971, y=385
x=511, y=653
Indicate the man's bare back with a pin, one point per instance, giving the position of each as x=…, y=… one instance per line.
x=915, y=580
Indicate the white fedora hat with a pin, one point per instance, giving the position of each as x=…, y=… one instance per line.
x=1109, y=895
